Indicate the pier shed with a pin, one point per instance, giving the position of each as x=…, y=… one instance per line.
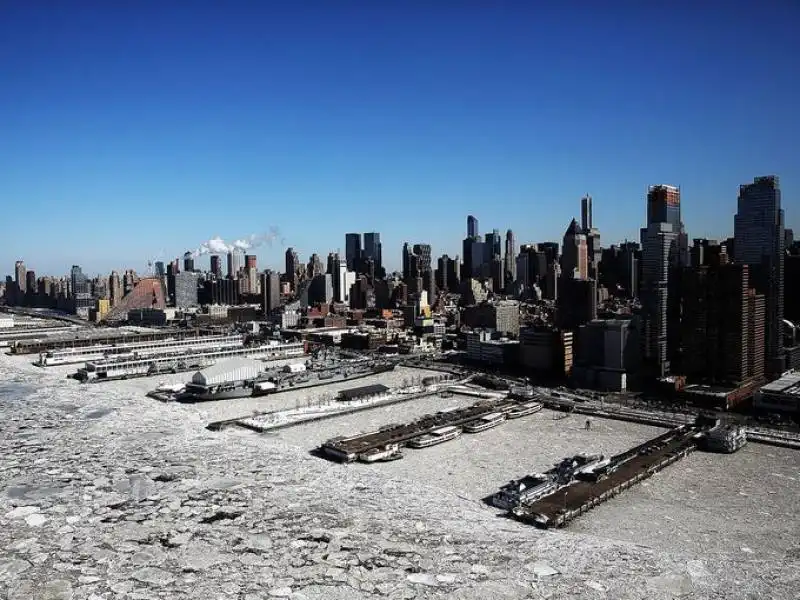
x=365, y=391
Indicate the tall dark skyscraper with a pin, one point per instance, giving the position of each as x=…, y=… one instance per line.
x=216, y=266
x=759, y=243
x=188, y=262
x=374, y=250
x=586, y=213
x=510, y=264
x=472, y=227
x=233, y=265
x=352, y=251
x=292, y=267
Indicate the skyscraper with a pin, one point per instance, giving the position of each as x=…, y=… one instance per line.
x=374, y=250
x=586, y=213
x=658, y=247
x=510, y=260
x=233, y=265
x=472, y=227
x=574, y=258
x=664, y=206
x=270, y=291
x=19, y=279
x=352, y=251
x=216, y=266
x=188, y=262
x=292, y=267
x=424, y=253
x=759, y=243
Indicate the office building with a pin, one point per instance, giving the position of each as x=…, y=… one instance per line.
x=188, y=261
x=215, y=266
x=353, y=251
x=233, y=265
x=509, y=262
x=374, y=250
x=472, y=227
x=293, y=268
x=759, y=238
x=574, y=259
x=658, y=247
x=423, y=251
x=586, y=213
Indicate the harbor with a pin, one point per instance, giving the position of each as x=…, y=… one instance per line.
x=428, y=430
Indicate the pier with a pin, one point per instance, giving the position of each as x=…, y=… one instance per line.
x=107, y=370
x=348, y=449
x=624, y=471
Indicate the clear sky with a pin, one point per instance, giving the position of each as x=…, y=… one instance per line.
x=137, y=130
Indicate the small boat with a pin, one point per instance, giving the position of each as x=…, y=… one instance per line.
x=485, y=422
x=523, y=410
x=437, y=436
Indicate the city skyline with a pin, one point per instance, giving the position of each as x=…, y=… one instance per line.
x=319, y=123
x=271, y=254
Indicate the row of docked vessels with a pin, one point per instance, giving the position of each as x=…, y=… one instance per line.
x=290, y=377
x=581, y=467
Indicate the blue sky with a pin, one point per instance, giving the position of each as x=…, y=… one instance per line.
x=136, y=130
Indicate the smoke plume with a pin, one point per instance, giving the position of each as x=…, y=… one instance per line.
x=217, y=245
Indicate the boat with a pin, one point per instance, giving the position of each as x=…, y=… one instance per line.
x=223, y=391
x=485, y=422
x=523, y=410
x=388, y=452
x=522, y=491
x=437, y=436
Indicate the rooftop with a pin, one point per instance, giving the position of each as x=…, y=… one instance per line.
x=788, y=384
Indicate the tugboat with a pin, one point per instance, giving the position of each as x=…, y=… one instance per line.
x=385, y=454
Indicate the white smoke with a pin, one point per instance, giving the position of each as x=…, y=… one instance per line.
x=217, y=245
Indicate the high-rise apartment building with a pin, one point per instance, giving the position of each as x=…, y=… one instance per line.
x=186, y=289
x=720, y=324
x=759, y=243
x=270, y=292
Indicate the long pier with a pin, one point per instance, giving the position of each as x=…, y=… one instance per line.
x=347, y=449
x=625, y=470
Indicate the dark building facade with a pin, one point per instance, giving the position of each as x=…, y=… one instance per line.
x=759, y=239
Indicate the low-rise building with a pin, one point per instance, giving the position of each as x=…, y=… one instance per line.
x=780, y=396
x=487, y=346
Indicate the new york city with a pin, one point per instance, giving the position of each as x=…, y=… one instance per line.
x=547, y=390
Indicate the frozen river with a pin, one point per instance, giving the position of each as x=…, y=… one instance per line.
x=105, y=493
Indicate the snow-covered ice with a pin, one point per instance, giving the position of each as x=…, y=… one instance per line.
x=132, y=498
